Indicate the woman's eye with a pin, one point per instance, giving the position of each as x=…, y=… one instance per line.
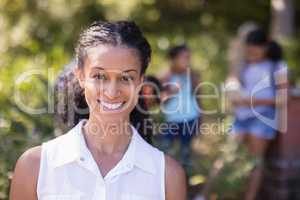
x=127, y=78
x=100, y=77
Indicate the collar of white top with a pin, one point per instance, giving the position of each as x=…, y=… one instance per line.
x=73, y=148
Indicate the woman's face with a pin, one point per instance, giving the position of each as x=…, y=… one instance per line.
x=255, y=53
x=111, y=79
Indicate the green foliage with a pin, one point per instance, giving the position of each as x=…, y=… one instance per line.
x=291, y=54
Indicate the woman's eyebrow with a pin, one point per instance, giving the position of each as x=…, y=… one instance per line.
x=98, y=68
x=126, y=71
x=130, y=70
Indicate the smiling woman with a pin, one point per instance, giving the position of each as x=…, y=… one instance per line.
x=110, y=79
x=103, y=157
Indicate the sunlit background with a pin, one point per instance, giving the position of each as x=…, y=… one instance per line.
x=41, y=35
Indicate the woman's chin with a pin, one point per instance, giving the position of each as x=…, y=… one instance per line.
x=111, y=116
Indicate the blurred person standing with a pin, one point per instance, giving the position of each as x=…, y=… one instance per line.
x=180, y=106
x=151, y=96
x=256, y=110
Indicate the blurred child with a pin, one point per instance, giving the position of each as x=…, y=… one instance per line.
x=151, y=91
x=255, y=114
x=181, y=108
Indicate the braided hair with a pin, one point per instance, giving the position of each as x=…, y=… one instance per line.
x=120, y=33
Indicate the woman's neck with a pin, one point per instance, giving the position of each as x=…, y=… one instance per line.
x=107, y=137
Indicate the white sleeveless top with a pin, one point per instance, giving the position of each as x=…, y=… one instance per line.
x=68, y=171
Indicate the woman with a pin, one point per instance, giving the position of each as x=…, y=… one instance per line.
x=102, y=157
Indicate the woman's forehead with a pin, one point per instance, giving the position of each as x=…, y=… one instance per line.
x=108, y=57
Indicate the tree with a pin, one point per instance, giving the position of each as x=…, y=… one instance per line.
x=282, y=22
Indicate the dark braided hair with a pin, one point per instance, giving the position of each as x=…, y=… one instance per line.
x=71, y=106
x=274, y=51
x=120, y=33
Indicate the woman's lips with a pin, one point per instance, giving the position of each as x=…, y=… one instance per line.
x=111, y=106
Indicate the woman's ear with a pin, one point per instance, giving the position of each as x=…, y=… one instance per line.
x=142, y=79
x=139, y=88
x=79, y=74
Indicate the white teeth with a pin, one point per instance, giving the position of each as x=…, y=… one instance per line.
x=111, y=106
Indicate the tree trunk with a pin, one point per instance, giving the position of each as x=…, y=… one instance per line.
x=282, y=24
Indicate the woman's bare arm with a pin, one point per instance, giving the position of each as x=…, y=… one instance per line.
x=25, y=177
x=176, y=186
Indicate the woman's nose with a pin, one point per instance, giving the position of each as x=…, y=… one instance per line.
x=111, y=90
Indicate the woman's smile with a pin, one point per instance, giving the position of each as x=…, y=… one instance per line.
x=106, y=106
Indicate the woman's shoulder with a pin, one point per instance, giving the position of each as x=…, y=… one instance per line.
x=29, y=161
x=26, y=173
x=174, y=170
x=175, y=179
